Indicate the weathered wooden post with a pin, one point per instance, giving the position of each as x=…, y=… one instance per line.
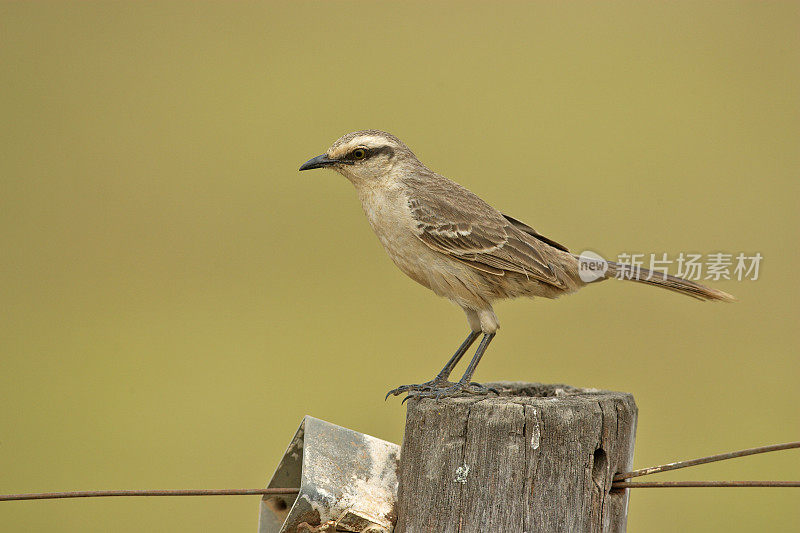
x=537, y=458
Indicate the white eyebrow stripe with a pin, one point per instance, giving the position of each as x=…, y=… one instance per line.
x=368, y=141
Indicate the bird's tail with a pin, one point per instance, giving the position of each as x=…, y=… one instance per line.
x=666, y=281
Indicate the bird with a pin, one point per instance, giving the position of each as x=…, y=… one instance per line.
x=452, y=242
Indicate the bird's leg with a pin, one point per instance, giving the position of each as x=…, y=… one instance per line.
x=464, y=384
x=465, y=379
x=441, y=377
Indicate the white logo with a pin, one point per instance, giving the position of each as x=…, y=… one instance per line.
x=591, y=266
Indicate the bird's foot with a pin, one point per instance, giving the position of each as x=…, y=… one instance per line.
x=428, y=386
x=442, y=389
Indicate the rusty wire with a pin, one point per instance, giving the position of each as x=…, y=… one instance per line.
x=178, y=492
x=705, y=460
x=667, y=484
x=619, y=481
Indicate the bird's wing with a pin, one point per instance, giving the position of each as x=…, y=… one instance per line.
x=461, y=225
x=530, y=231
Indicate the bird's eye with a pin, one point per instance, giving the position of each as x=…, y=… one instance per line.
x=359, y=153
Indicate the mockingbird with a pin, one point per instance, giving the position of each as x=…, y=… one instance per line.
x=447, y=239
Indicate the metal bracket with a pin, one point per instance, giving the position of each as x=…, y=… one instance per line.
x=347, y=482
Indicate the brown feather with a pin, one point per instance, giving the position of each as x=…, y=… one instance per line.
x=475, y=233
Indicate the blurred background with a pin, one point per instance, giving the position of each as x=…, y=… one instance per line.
x=175, y=296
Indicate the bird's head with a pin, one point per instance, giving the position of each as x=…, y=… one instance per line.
x=364, y=156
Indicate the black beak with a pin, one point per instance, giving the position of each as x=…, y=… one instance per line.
x=321, y=161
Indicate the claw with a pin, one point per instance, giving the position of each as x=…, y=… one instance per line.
x=483, y=389
x=427, y=386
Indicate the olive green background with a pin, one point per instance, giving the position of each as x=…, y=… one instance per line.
x=176, y=296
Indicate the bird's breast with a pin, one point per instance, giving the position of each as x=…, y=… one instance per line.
x=390, y=216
